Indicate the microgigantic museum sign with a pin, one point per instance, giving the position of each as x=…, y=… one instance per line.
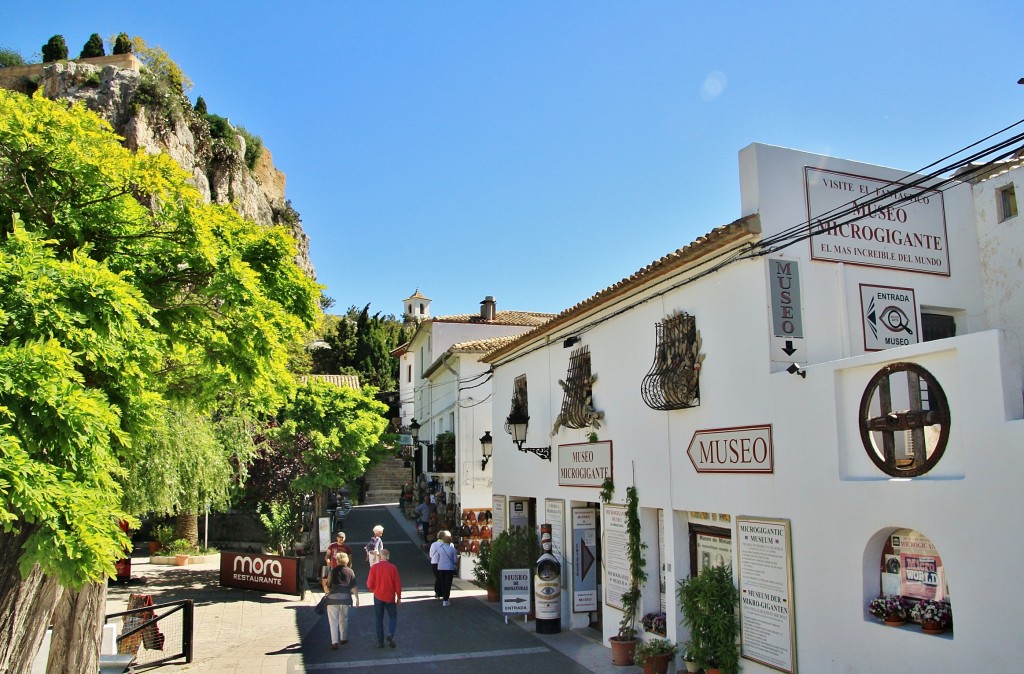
x=267, y=573
x=879, y=223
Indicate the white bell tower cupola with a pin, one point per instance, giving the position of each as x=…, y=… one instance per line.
x=416, y=307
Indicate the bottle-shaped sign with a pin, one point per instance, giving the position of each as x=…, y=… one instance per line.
x=547, y=584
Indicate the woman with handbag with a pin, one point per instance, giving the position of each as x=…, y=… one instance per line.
x=341, y=596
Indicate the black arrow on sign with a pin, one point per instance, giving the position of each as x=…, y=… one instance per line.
x=789, y=350
x=517, y=600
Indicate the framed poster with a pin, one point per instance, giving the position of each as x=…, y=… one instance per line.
x=615, y=555
x=554, y=514
x=709, y=546
x=497, y=515
x=765, y=577
x=584, y=560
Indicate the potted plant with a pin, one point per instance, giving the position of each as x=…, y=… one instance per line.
x=624, y=643
x=181, y=549
x=654, y=655
x=708, y=602
x=889, y=607
x=689, y=660
x=934, y=616
x=654, y=623
x=482, y=571
x=163, y=534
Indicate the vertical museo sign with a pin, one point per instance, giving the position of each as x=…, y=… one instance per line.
x=765, y=572
x=879, y=223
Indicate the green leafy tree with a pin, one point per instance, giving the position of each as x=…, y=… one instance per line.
x=10, y=57
x=358, y=343
x=201, y=106
x=55, y=49
x=93, y=47
x=129, y=305
x=334, y=432
x=123, y=44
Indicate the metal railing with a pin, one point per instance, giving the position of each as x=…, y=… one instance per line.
x=151, y=633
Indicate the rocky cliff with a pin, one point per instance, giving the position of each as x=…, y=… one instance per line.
x=154, y=119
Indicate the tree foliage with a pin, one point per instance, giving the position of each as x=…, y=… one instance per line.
x=333, y=432
x=123, y=44
x=131, y=311
x=55, y=49
x=361, y=344
x=93, y=47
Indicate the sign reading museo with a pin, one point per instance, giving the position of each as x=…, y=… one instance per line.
x=875, y=222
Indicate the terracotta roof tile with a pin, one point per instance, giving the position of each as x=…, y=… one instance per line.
x=348, y=380
x=526, y=318
x=677, y=259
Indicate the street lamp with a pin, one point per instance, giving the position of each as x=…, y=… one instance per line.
x=516, y=425
x=487, y=446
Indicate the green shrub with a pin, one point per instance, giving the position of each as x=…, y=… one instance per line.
x=200, y=106
x=181, y=546
x=164, y=534
x=93, y=48
x=253, y=147
x=55, y=49
x=9, y=57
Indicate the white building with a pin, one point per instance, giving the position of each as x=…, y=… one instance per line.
x=864, y=479
x=450, y=390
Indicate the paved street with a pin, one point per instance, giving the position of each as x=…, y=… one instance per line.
x=246, y=631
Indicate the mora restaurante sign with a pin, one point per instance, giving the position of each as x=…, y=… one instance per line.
x=267, y=573
x=742, y=449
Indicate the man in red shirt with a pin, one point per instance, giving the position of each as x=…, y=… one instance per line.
x=333, y=549
x=386, y=587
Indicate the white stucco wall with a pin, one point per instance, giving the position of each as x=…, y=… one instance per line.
x=839, y=505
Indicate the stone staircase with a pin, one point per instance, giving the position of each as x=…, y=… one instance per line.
x=384, y=481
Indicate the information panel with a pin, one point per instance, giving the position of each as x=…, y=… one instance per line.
x=554, y=514
x=584, y=560
x=497, y=515
x=765, y=575
x=515, y=591
x=615, y=543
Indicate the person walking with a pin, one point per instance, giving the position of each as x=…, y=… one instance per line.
x=375, y=546
x=342, y=594
x=423, y=510
x=330, y=556
x=434, y=550
x=386, y=586
x=447, y=563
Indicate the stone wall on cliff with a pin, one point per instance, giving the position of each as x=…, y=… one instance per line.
x=217, y=169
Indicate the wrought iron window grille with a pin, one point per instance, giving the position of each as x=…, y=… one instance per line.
x=673, y=382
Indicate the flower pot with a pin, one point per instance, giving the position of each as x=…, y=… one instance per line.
x=657, y=664
x=931, y=627
x=181, y=560
x=622, y=650
x=691, y=666
x=154, y=547
x=492, y=594
x=895, y=621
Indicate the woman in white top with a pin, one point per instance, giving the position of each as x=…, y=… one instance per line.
x=375, y=545
x=447, y=563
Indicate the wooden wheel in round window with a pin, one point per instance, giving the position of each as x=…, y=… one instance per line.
x=904, y=420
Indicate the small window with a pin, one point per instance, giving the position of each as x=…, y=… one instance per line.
x=937, y=326
x=1006, y=199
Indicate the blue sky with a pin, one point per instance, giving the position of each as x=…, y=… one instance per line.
x=541, y=151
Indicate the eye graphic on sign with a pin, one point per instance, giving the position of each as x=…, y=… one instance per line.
x=895, y=319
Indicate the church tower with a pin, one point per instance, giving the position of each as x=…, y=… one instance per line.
x=416, y=308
